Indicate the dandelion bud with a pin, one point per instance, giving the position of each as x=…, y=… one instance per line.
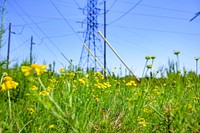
x=177, y=52
x=147, y=57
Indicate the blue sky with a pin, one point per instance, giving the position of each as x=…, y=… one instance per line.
x=154, y=27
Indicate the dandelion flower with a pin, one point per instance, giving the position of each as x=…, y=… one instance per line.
x=31, y=111
x=49, y=88
x=27, y=70
x=34, y=88
x=34, y=68
x=52, y=126
x=142, y=122
x=82, y=81
x=8, y=83
x=44, y=93
x=131, y=83
x=39, y=69
x=62, y=70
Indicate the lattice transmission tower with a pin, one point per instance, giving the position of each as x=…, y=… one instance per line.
x=92, y=39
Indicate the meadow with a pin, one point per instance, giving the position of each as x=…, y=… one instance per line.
x=34, y=99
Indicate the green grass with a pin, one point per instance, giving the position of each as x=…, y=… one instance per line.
x=87, y=102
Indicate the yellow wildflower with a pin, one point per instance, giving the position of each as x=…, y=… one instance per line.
x=97, y=99
x=62, y=70
x=82, y=81
x=27, y=70
x=52, y=126
x=38, y=69
x=31, y=111
x=53, y=80
x=142, y=122
x=99, y=74
x=131, y=83
x=100, y=85
x=71, y=75
x=8, y=83
x=155, y=91
x=34, y=88
x=44, y=93
x=107, y=84
x=49, y=88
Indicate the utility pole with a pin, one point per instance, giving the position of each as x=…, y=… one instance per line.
x=105, y=37
x=8, y=52
x=31, y=50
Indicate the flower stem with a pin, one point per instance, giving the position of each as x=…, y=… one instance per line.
x=144, y=68
x=10, y=109
x=51, y=99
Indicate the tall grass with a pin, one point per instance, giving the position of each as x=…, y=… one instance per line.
x=78, y=101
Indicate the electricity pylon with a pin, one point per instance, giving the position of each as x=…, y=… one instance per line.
x=91, y=40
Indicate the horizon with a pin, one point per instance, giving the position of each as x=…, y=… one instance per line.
x=151, y=28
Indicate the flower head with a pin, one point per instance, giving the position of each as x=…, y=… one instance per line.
x=153, y=57
x=34, y=88
x=177, y=52
x=52, y=126
x=8, y=83
x=39, y=69
x=34, y=68
x=149, y=66
x=62, y=70
x=142, y=121
x=147, y=57
x=27, y=70
x=196, y=59
x=131, y=83
x=31, y=111
x=82, y=80
x=44, y=93
x=71, y=75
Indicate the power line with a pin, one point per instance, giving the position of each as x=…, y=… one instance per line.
x=37, y=26
x=20, y=45
x=156, y=16
x=31, y=27
x=65, y=20
x=134, y=6
x=25, y=21
x=112, y=5
x=40, y=29
x=77, y=4
x=157, y=30
x=56, y=36
x=157, y=7
x=196, y=15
